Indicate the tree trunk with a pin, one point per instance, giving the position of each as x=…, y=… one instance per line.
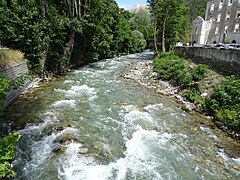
x=155, y=36
x=44, y=9
x=163, y=33
x=67, y=51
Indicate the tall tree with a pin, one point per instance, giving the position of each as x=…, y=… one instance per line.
x=141, y=21
x=171, y=21
x=44, y=11
x=196, y=8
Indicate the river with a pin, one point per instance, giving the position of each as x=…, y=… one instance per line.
x=91, y=124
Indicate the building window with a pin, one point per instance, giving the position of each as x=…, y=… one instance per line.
x=228, y=15
x=216, y=30
x=212, y=7
x=196, y=30
x=230, y=2
x=238, y=13
x=219, y=18
x=226, y=30
x=236, y=28
x=221, y=5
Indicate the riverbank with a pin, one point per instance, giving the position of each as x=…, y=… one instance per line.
x=141, y=73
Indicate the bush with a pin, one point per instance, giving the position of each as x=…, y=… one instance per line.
x=171, y=67
x=7, y=153
x=4, y=85
x=224, y=103
x=199, y=72
x=193, y=96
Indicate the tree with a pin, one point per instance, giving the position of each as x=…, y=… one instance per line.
x=56, y=34
x=138, y=41
x=141, y=21
x=196, y=8
x=170, y=21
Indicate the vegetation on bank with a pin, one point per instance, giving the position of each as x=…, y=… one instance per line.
x=54, y=35
x=4, y=85
x=222, y=101
x=10, y=57
x=8, y=142
x=7, y=153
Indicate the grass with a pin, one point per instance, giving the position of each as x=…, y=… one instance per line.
x=9, y=57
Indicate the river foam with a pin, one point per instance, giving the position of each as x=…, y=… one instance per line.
x=138, y=160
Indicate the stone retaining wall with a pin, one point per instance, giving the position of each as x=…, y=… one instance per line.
x=13, y=94
x=15, y=71
x=226, y=61
x=12, y=73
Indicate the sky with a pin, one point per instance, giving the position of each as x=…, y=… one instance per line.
x=129, y=3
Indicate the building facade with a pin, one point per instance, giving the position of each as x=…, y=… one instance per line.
x=221, y=23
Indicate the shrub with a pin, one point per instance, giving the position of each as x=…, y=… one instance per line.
x=193, y=96
x=224, y=103
x=199, y=72
x=7, y=153
x=171, y=67
x=4, y=85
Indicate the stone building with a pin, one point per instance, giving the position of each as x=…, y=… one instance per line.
x=221, y=23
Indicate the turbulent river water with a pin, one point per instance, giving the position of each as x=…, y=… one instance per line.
x=93, y=125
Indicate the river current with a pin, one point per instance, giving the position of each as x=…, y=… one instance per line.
x=93, y=125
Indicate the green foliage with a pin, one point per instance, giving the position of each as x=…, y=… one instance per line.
x=225, y=101
x=172, y=24
x=7, y=85
x=196, y=8
x=21, y=28
x=52, y=37
x=199, y=72
x=138, y=41
x=7, y=153
x=171, y=67
x=193, y=96
x=4, y=84
x=141, y=21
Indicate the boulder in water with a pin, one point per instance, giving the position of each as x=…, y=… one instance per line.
x=59, y=149
x=66, y=138
x=83, y=150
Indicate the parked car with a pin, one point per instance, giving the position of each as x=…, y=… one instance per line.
x=208, y=46
x=232, y=46
x=220, y=46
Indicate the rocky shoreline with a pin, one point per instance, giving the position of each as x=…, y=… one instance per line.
x=141, y=73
